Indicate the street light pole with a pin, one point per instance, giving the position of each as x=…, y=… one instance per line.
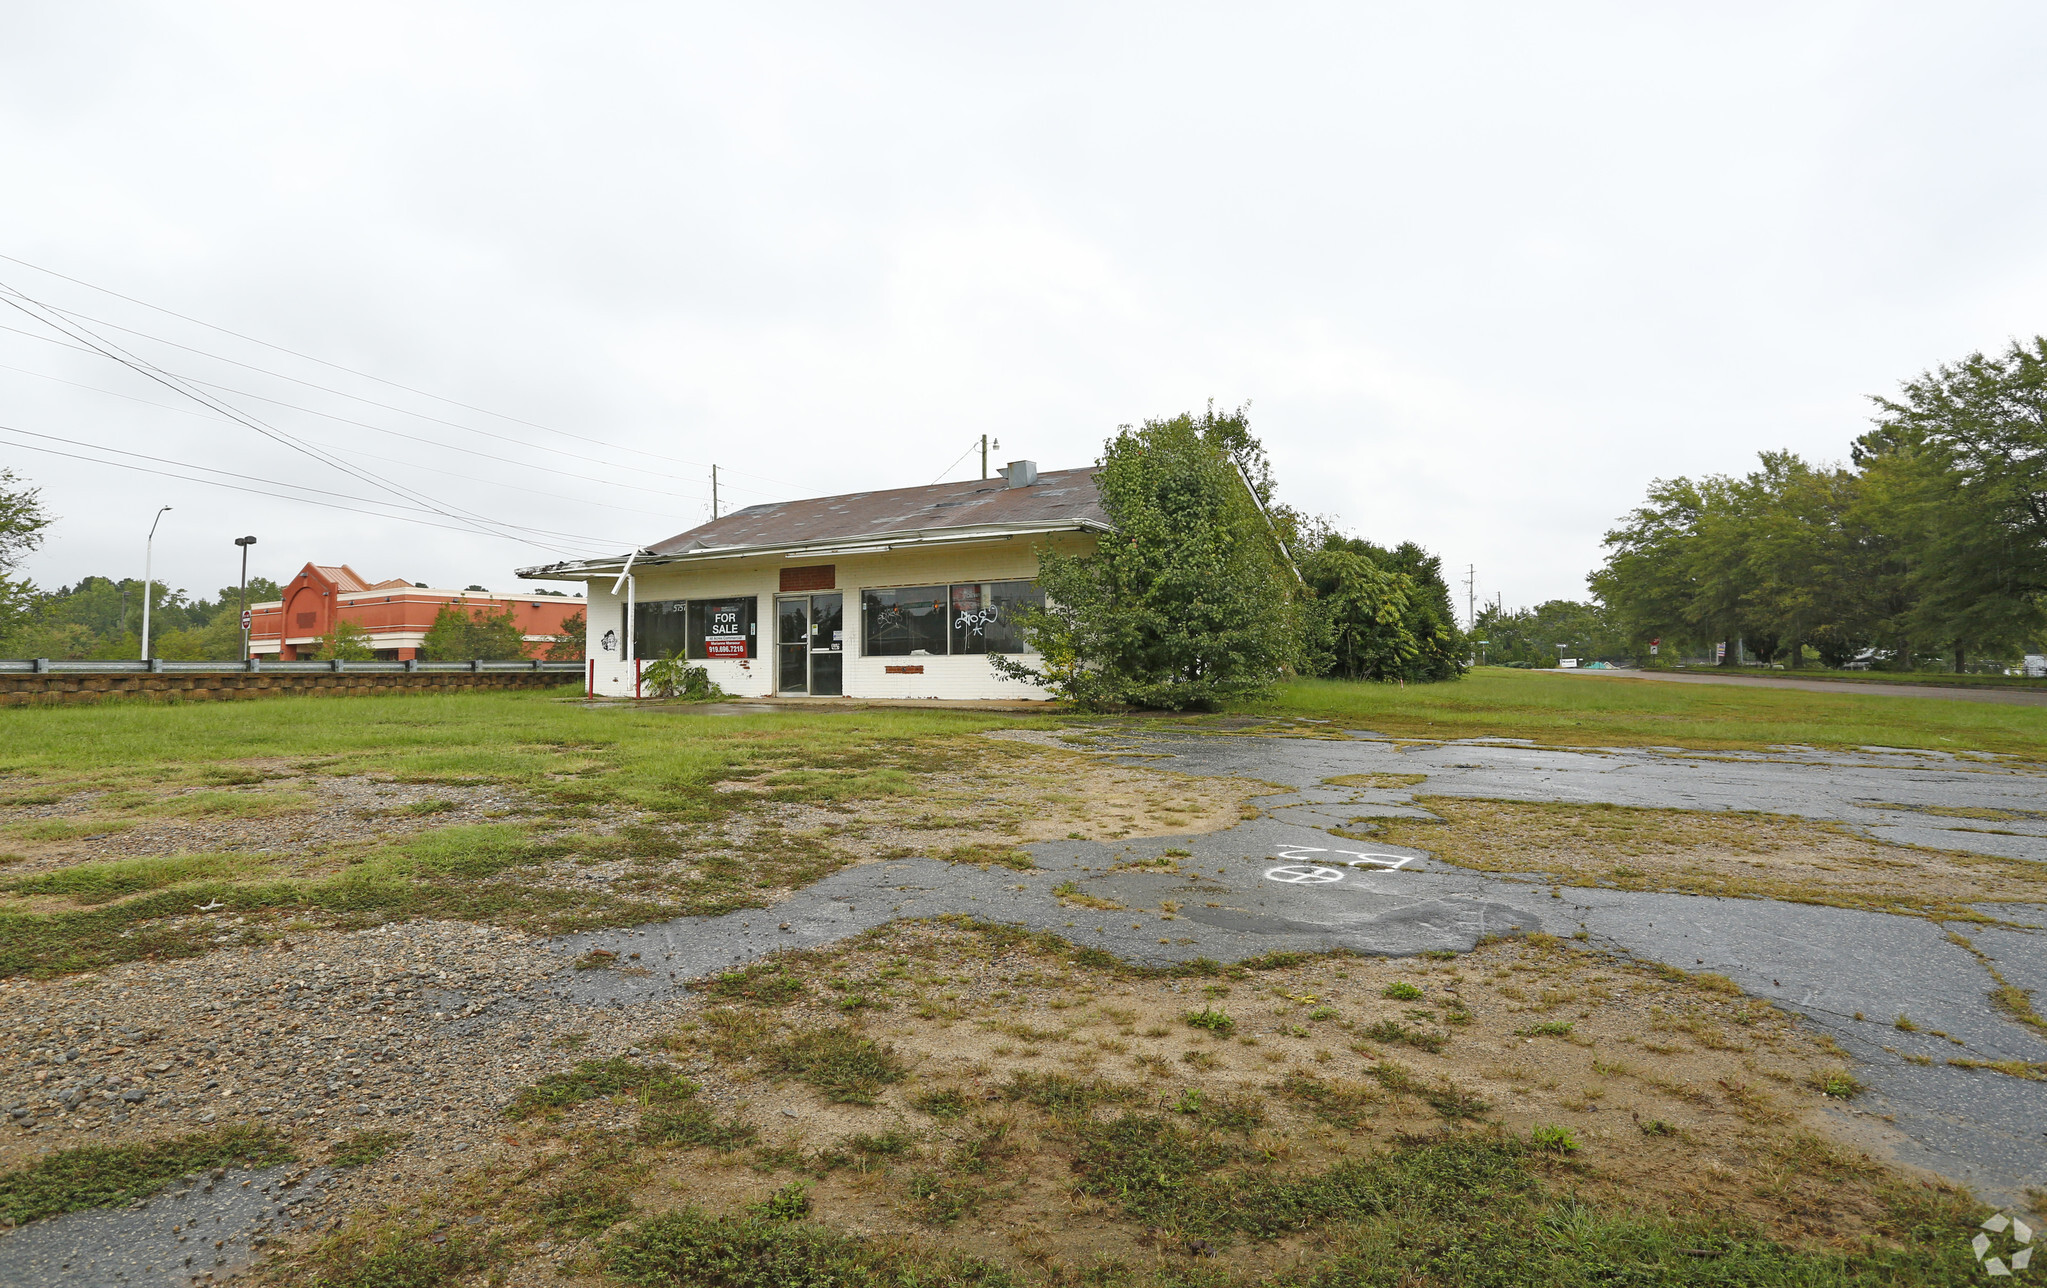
x=148, y=555
x=245, y=543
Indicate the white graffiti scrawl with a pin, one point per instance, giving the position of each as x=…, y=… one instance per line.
x=1348, y=858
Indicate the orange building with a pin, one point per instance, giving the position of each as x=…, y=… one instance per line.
x=394, y=614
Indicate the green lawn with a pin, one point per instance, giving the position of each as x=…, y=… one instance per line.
x=611, y=782
x=1569, y=710
x=663, y=758
x=594, y=784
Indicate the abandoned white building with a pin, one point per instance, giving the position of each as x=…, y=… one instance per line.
x=895, y=594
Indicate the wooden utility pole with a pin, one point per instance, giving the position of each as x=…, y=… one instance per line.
x=714, y=494
x=984, y=456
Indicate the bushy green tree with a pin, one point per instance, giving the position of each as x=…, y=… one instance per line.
x=1356, y=619
x=1932, y=546
x=1558, y=628
x=22, y=521
x=219, y=640
x=461, y=633
x=1191, y=600
x=1966, y=447
x=347, y=642
x=569, y=645
x=1378, y=614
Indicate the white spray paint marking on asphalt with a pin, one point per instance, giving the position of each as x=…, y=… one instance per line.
x=1356, y=859
x=1303, y=874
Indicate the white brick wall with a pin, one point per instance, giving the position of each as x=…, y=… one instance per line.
x=970, y=676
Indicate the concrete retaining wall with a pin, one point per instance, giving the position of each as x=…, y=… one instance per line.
x=54, y=689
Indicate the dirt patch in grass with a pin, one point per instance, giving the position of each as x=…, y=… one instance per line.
x=183, y=859
x=1022, y=785
x=1379, y=782
x=277, y=811
x=1021, y=1111
x=1740, y=855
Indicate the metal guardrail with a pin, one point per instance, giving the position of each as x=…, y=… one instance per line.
x=256, y=666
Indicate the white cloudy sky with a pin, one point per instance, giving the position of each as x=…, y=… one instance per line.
x=1483, y=271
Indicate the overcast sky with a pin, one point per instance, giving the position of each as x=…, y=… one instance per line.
x=1482, y=271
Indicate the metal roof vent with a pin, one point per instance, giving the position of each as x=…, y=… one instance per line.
x=1021, y=473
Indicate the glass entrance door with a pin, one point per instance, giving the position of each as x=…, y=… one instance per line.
x=792, y=645
x=827, y=645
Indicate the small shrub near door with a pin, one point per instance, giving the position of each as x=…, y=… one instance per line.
x=673, y=677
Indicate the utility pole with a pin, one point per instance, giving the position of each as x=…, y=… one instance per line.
x=148, y=554
x=245, y=543
x=1471, y=594
x=714, y=494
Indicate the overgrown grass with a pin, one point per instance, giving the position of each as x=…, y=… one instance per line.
x=690, y=1249
x=565, y=751
x=566, y=759
x=595, y=1079
x=1549, y=707
x=100, y=1176
x=846, y=1067
x=400, y=1257
x=1722, y=853
x=65, y=829
x=366, y=1147
x=768, y=983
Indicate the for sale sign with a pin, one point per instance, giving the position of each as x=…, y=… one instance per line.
x=725, y=631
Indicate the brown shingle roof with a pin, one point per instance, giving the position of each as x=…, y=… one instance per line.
x=1062, y=498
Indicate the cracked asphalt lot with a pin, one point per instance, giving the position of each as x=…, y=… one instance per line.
x=1285, y=882
x=1253, y=889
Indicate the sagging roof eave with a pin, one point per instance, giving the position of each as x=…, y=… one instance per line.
x=590, y=569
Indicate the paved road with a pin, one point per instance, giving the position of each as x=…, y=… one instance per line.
x=1285, y=884
x=1953, y=692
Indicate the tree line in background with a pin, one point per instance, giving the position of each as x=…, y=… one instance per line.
x=1928, y=549
x=101, y=618
x=1209, y=589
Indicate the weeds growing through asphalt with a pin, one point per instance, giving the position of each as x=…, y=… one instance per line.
x=101, y=1176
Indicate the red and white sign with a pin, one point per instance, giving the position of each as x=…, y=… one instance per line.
x=726, y=646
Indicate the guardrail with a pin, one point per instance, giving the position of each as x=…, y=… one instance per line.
x=257, y=666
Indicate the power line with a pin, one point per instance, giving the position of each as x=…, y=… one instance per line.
x=349, y=370
x=278, y=402
x=549, y=470
x=233, y=487
x=73, y=330
x=956, y=464
x=254, y=478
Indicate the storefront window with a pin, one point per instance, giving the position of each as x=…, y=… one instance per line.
x=696, y=628
x=969, y=618
x=984, y=616
x=660, y=627
x=907, y=622
x=1004, y=599
x=720, y=628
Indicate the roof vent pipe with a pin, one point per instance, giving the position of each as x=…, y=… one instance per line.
x=1021, y=473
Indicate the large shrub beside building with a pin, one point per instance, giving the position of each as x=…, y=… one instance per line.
x=1191, y=601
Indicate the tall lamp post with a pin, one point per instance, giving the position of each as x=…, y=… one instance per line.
x=245, y=543
x=148, y=554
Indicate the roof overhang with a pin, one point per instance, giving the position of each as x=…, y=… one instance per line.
x=880, y=543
